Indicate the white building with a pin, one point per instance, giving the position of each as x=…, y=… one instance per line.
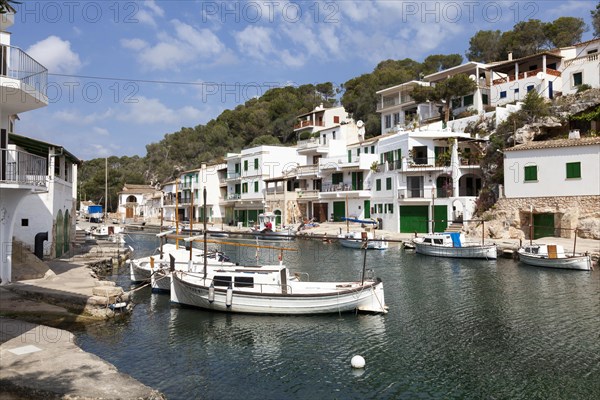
x=134, y=203
x=183, y=199
x=425, y=180
x=564, y=167
x=52, y=211
x=247, y=172
x=581, y=66
x=23, y=83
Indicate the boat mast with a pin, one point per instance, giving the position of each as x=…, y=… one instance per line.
x=530, y=225
x=191, y=218
x=177, y=213
x=347, y=222
x=574, y=242
x=105, y=189
x=204, y=219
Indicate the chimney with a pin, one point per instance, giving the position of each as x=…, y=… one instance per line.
x=510, y=56
x=574, y=134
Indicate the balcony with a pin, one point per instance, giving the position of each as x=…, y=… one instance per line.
x=391, y=101
x=20, y=167
x=234, y=196
x=412, y=193
x=590, y=58
x=308, y=124
x=426, y=163
x=525, y=75
x=23, y=81
x=232, y=176
x=307, y=170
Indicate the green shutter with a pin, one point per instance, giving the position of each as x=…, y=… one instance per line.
x=573, y=170
x=381, y=158
x=256, y=187
x=256, y=163
x=245, y=165
x=378, y=184
x=388, y=184
x=531, y=173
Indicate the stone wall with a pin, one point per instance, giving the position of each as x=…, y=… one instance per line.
x=509, y=218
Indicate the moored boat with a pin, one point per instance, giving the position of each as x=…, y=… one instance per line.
x=271, y=289
x=362, y=240
x=553, y=256
x=453, y=245
x=267, y=230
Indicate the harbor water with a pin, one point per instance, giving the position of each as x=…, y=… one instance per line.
x=456, y=329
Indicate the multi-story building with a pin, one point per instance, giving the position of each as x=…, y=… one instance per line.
x=247, y=173
x=425, y=180
x=38, y=180
x=581, y=66
x=183, y=199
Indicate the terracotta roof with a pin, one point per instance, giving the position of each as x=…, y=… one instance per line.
x=548, y=144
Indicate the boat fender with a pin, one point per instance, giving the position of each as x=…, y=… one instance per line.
x=211, y=293
x=229, y=297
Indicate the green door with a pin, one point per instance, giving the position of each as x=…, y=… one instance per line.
x=440, y=215
x=339, y=210
x=367, y=205
x=252, y=217
x=543, y=225
x=59, y=236
x=414, y=219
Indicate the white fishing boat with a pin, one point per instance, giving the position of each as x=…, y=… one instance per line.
x=149, y=268
x=267, y=229
x=553, y=256
x=361, y=240
x=271, y=289
x=453, y=245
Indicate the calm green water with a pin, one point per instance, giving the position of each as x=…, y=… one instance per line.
x=457, y=329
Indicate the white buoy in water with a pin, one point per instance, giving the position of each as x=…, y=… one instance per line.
x=357, y=362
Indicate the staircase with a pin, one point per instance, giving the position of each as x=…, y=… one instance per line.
x=454, y=227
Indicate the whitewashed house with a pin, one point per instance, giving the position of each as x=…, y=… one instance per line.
x=190, y=187
x=52, y=211
x=133, y=202
x=557, y=182
x=247, y=172
x=425, y=180
x=581, y=66
x=307, y=189
x=22, y=172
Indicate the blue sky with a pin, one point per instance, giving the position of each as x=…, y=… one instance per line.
x=125, y=73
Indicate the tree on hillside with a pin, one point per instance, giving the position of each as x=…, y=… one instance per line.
x=565, y=31
x=6, y=6
x=360, y=98
x=596, y=20
x=440, y=62
x=526, y=38
x=484, y=46
x=444, y=91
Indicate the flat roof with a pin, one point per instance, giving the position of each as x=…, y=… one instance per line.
x=39, y=147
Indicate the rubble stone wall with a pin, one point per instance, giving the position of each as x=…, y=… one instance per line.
x=509, y=218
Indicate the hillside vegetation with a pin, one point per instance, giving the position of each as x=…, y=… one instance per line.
x=270, y=118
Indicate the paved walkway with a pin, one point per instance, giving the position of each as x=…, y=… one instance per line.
x=39, y=361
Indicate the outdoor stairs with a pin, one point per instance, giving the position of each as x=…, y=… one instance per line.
x=454, y=227
x=80, y=237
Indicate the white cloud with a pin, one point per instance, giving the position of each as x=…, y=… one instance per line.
x=152, y=111
x=77, y=118
x=100, y=131
x=255, y=42
x=56, y=55
x=147, y=12
x=134, y=44
x=187, y=45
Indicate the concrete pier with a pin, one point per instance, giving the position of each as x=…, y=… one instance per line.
x=39, y=361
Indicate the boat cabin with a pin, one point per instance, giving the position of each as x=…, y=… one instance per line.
x=545, y=250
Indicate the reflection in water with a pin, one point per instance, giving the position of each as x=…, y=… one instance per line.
x=456, y=329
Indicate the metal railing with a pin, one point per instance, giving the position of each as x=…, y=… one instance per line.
x=16, y=64
x=18, y=166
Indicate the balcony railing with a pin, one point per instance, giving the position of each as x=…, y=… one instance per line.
x=20, y=167
x=412, y=193
x=16, y=64
x=594, y=57
x=234, y=196
x=523, y=75
x=304, y=124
